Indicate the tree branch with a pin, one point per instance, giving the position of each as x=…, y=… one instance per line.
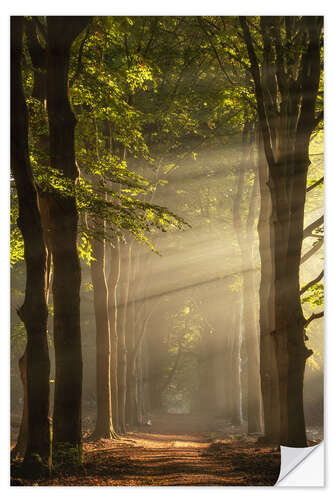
x=311, y=283
x=312, y=317
x=311, y=227
x=313, y=250
x=259, y=92
x=215, y=50
x=79, y=61
x=315, y=184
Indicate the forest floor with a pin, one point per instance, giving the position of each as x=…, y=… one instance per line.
x=176, y=450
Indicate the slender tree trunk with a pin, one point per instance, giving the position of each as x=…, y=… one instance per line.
x=33, y=312
x=252, y=350
x=21, y=444
x=38, y=57
x=235, y=365
x=268, y=367
x=62, y=31
x=244, y=232
x=131, y=401
x=131, y=346
x=104, y=426
x=125, y=261
x=146, y=403
x=139, y=385
x=114, y=324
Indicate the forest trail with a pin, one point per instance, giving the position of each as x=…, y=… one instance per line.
x=175, y=451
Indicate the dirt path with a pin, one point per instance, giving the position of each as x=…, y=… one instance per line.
x=155, y=459
x=175, y=451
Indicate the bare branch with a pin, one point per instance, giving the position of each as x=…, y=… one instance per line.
x=312, y=317
x=311, y=283
x=214, y=49
x=315, y=184
x=259, y=92
x=311, y=227
x=313, y=250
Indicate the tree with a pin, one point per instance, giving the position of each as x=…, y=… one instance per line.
x=245, y=238
x=33, y=312
x=268, y=366
x=63, y=236
x=286, y=93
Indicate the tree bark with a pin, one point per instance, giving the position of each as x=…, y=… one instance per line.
x=62, y=32
x=268, y=368
x=125, y=261
x=38, y=58
x=104, y=426
x=33, y=312
x=22, y=440
x=131, y=384
x=244, y=232
x=291, y=115
x=235, y=367
x=114, y=324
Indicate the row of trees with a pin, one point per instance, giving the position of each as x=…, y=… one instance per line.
x=129, y=99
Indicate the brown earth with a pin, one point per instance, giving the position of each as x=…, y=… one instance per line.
x=176, y=450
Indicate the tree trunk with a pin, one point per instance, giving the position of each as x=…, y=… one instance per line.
x=131, y=396
x=244, y=233
x=140, y=403
x=125, y=260
x=22, y=440
x=103, y=427
x=132, y=348
x=287, y=118
x=252, y=351
x=62, y=31
x=268, y=367
x=38, y=57
x=235, y=373
x=33, y=312
x=114, y=325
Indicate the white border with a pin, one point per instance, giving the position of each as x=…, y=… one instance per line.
x=142, y=7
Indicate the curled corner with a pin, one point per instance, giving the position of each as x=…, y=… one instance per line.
x=308, y=472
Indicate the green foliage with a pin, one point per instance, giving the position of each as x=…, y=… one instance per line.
x=85, y=249
x=314, y=295
x=66, y=456
x=16, y=240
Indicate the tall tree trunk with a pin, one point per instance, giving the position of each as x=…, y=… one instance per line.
x=287, y=118
x=104, y=426
x=125, y=262
x=244, y=232
x=131, y=396
x=235, y=365
x=252, y=351
x=33, y=312
x=268, y=367
x=114, y=325
x=38, y=58
x=62, y=32
x=131, y=345
x=22, y=440
x=140, y=403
